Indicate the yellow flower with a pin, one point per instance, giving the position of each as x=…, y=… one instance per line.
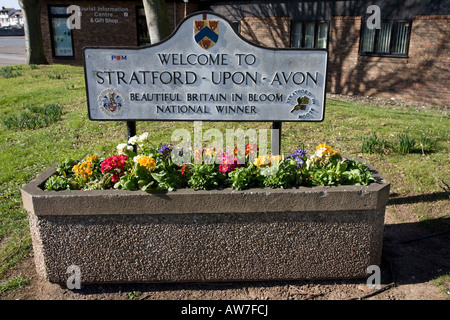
x=83, y=170
x=276, y=158
x=208, y=152
x=266, y=160
x=92, y=158
x=145, y=161
x=323, y=149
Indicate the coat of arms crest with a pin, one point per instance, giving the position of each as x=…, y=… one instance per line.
x=206, y=32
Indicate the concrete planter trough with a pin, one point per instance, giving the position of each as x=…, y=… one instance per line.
x=117, y=236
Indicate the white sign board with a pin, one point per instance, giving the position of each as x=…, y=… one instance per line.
x=205, y=72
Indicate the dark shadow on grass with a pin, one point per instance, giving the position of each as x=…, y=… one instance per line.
x=417, y=252
x=429, y=197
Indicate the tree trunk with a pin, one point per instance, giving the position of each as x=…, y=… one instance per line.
x=157, y=21
x=33, y=35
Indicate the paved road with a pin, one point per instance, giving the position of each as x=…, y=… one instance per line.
x=12, y=51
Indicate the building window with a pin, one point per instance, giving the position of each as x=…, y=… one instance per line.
x=62, y=41
x=142, y=29
x=309, y=34
x=236, y=26
x=391, y=39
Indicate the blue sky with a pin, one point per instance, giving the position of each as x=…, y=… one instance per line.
x=9, y=4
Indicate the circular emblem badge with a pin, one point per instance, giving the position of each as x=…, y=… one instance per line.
x=302, y=102
x=111, y=102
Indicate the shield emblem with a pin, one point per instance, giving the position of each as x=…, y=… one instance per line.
x=206, y=33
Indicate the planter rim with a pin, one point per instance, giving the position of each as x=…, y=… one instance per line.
x=113, y=201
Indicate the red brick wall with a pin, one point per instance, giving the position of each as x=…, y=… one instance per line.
x=124, y=33
x=423, y=77
x=429, y=63
x=271, y=32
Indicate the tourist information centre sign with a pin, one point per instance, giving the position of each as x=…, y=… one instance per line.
x=205, y=72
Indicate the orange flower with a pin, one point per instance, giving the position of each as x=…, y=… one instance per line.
x=83, y=170
x=145, y=161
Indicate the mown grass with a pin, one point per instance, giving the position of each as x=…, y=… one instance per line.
x=13, y=284
x=27, y=152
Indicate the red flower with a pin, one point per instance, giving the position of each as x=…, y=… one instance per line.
x=251, y=149
x=114, y=164
x=183, y=169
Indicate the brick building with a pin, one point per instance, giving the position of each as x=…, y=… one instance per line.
x=406, y=56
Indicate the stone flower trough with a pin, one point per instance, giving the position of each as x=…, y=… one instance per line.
x=117, y=236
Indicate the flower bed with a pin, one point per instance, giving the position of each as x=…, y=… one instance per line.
x=205, y=229
x=140, y=166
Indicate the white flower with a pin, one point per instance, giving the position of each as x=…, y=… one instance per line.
x=143, y=137
x=122, y=147
x=309, y=162
x=133, y=140
x=319, y=153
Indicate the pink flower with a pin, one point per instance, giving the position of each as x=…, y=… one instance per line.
x=223, y=168
x=115, y=164
x=228, y=162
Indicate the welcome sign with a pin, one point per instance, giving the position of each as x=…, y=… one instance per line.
x=205, y=72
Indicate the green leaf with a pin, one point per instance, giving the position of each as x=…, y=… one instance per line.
x=131, y=185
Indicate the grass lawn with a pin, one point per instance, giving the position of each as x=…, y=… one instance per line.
x=25, y=153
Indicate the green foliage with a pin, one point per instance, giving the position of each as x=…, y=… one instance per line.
x=443, y=283
x=10, y=71
x=246, y=177
x=54, y=76
x=357, y=173
x=405, y=143
x=205, y=176
x=427, y=144
x=65, y=167
x=34, y=117
x=13, y=284
x=284, y=174
x=374, y=145
x=165, y=176
x=337, y=172
x=134, y=295
x=56, y=183
x=64, y=180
